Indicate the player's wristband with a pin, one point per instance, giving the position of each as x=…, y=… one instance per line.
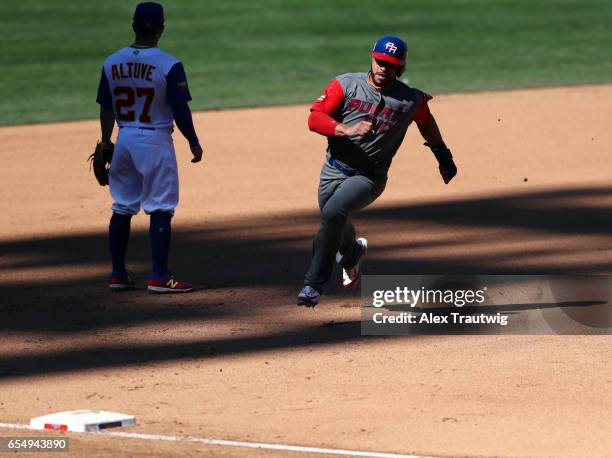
x=441, y=151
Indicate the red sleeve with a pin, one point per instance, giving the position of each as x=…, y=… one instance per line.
x=324, y=108
x=322, y=123
x=331, y=100
x=423, y=114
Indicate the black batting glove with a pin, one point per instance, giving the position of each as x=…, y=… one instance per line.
x=447, y=166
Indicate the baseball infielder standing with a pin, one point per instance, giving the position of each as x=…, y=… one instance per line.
x=365, y=117
x=144, y=90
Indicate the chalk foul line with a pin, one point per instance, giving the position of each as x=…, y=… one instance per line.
x=229, y=443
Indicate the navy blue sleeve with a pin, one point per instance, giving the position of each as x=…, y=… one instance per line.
x=177, y=89
x=184, y=122
x=104, y=98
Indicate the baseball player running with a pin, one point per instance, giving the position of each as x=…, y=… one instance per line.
x=365, y=117
x=144, y=90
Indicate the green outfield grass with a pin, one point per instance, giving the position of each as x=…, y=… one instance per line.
x=246, y=52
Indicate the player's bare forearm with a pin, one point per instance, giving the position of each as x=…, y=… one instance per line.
x=107, y=123
x=430, y=131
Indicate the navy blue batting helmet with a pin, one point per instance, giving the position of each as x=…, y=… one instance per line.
x=391, y=49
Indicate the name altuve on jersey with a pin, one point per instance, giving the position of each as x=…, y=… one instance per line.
x=132, y=70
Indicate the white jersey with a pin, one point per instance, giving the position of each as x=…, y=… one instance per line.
x=145, y=87
x=137, y=80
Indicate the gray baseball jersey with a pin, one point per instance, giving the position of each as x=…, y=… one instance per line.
x=350, y=98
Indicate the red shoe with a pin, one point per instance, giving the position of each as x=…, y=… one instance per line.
x=122, y=283
x=168, y=284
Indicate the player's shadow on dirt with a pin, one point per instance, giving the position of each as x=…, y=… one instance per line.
x=112, y=355
x=251, y=266
x=121, y=355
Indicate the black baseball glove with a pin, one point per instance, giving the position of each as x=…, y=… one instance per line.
x=101, y=160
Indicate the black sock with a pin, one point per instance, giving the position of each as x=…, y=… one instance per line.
x=160, y=232
x=118, y=235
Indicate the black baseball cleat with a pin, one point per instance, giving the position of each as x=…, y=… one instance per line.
x=308, y=297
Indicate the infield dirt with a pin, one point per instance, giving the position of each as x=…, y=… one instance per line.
x=238, y=360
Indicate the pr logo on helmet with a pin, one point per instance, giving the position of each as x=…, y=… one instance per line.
x=390, y=46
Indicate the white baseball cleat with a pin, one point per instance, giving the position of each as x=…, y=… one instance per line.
x=351, y=276
x=308, y=297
